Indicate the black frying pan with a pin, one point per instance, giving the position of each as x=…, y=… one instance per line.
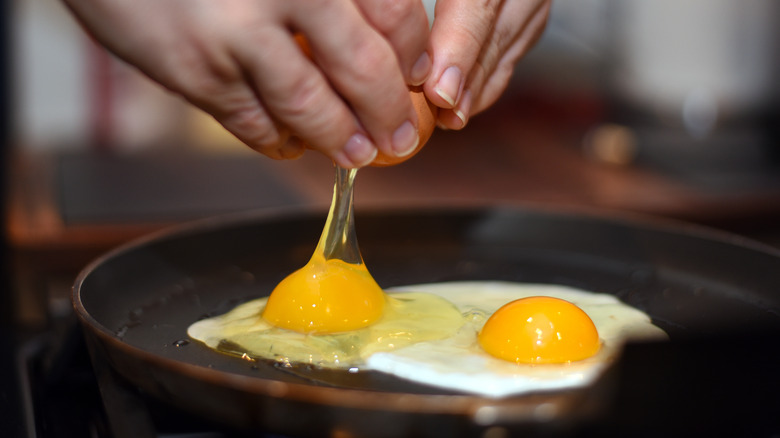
x=137, y=302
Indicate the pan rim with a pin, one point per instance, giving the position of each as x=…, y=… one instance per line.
x=634, y=219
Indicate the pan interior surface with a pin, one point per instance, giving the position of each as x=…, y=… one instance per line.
x=691, y=283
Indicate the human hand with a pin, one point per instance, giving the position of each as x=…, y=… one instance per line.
x=239, y=61
x=475, y=49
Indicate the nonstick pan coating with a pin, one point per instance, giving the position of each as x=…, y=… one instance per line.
x=137, y=302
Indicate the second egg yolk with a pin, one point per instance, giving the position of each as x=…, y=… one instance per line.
x=539, y=330
x=326, y=296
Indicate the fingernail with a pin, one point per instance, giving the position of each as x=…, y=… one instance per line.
x=421, y=69
x=463, y=108
x=405, y=139
x=449, y=85
x=359, y=151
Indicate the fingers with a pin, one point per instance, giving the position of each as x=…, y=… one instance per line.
x=361, y=66
x=518, y=28
x=300, y=98
x=347, y=102
x=239, y=61
x=475, y=50
x=404, y=24
x=458, y=34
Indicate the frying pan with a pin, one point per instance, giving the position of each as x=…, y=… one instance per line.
x=702, y=287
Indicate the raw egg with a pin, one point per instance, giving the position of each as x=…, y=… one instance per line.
x=333, y=292
x=430, y=334
x=408, y=318
x=326, y=296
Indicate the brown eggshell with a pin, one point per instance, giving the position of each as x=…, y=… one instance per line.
x=426, y=116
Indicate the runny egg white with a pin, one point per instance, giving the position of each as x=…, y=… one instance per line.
x=408, y=318
x=429, y=334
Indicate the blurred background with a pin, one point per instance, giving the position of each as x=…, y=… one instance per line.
x=664, y=108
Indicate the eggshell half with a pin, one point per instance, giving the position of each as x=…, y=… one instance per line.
x=426, y=116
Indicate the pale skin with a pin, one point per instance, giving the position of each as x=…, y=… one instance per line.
x=239, y=61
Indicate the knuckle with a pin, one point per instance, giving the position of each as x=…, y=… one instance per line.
x=253, y=127
x=371, y=58
x=313, y=113
x=390, y=14
x=201, y=80
x=301, y=98
x=504, y=37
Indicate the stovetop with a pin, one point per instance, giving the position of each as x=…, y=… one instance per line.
x=60, y=397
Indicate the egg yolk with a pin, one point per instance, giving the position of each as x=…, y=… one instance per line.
x=326, y=296
x=538, y=330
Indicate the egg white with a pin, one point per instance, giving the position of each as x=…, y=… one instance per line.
x=447, y=318
x=408, y=318
x=458, y=363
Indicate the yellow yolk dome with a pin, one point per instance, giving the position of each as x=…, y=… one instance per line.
x=537, y=330
x=326, y=296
